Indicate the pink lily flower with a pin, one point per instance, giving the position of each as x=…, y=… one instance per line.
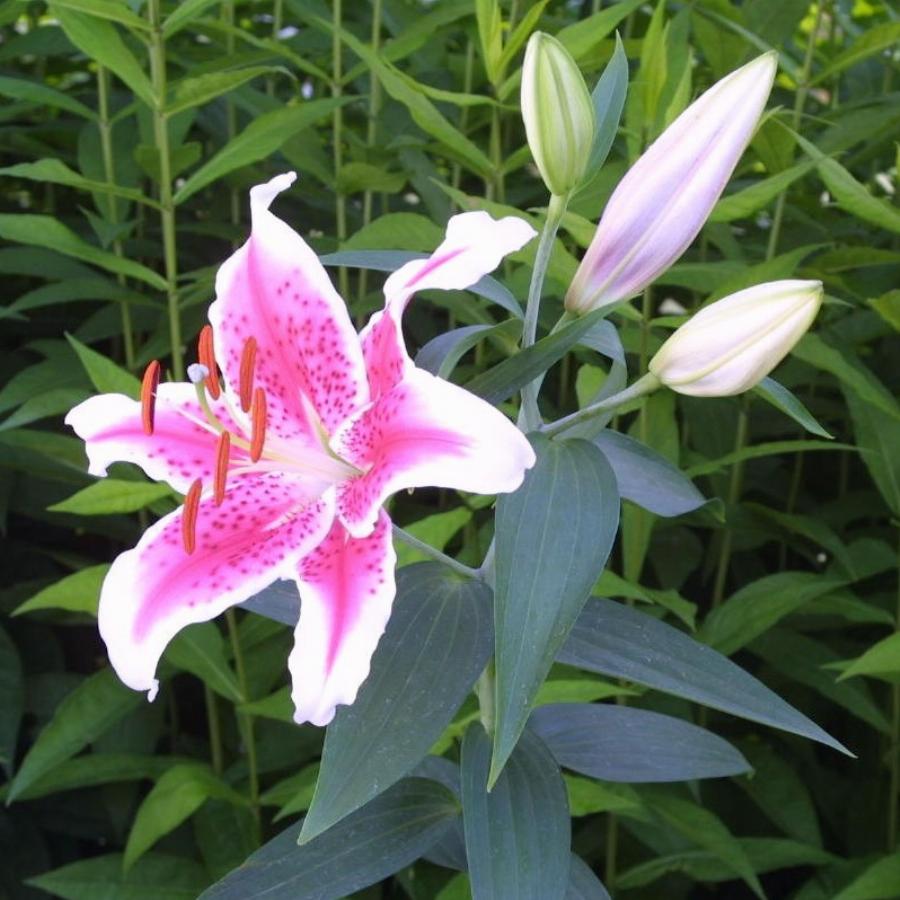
x=286, y=468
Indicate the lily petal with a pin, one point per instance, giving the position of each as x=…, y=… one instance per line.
x=474, y=245
x=181, y=449
x=264, y=526
x=426, y=431
x=275, y=290
x=346, y=591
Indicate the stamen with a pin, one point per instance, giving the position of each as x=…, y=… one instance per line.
x=206, y=356
x=189, y=517
x=248, y=363
x=223, y=451
x=258, y=424
x=149, y=384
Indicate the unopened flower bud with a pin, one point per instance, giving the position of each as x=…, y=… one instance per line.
x=558, y=113
x=664, y=199
x=732, y=344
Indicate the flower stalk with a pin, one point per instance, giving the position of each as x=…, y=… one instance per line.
x=167, y=211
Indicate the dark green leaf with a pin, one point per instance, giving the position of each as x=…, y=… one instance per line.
x=781, y=398
x=389, y=833
x=553, y=536
x=620, y=743
x=437, y=642
x=501, y=382
x=94, y=706
x=518, y=834
x=613, y=639
x=155, y=877
x=647, y=478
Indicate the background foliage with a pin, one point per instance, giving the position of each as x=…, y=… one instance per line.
x=129, y=134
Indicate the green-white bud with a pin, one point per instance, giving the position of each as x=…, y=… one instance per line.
x=558, y=113
x=732, y=344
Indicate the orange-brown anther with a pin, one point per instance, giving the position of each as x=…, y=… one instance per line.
x=189, y=517
x=223, y=449
x=258, y=424
x=248, y=362
x=149, y=384
x=207, y=357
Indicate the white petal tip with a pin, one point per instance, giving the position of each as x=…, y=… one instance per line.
x=153, y=691
x=262, y=195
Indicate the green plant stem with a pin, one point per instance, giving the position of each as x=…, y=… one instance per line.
x=277, y=17
x=109, y=172
x=468, y=76
x=497, y=184
x=245, y=720
x=611, y=851
x=230, y=111
x=215, y=730
x=412, y=541
x=371, y=128
x=734, y=492
x=796, y=114
x=337, y=129
x=484, y=691
x=530, y=416
x=167, y=213
x=644, y=385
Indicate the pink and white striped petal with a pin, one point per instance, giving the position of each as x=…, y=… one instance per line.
x=275, y=290
x=346, y=592
x=181, y=449
x=475, y=244
x=264, y=526
x=426, y=431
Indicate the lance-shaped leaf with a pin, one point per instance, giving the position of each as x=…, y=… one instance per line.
x=614, y=639
x=389, y=833
x=437, y=642
x=518, y=834
x=583, y=883
x=553, y=538
x=620, y=743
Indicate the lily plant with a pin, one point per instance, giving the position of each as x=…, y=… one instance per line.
x=294, y=433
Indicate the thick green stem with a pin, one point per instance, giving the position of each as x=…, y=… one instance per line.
x=426, y=549
x=112, y=211
x=530, y=416
x=644, y=385
x=245, y=721
x=337, y=136
x=167, y=213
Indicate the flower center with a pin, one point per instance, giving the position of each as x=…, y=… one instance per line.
x=266, y=452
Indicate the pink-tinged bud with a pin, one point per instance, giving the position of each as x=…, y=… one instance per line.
x=664, y=199
x=732, y=344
